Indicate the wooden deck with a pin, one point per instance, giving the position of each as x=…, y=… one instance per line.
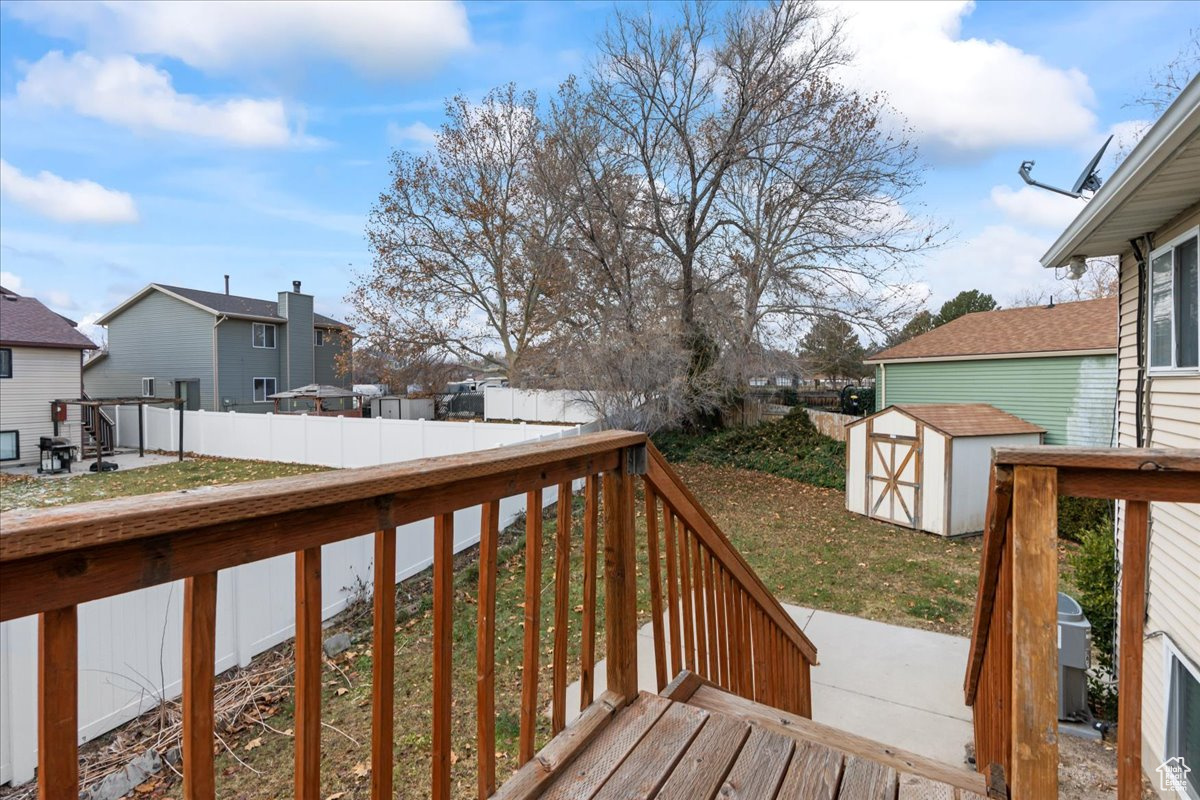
x=697, y=742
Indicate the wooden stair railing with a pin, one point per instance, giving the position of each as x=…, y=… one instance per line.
x=717, y=618
x=1012, y=669
x=98, y=427
x=51, y=560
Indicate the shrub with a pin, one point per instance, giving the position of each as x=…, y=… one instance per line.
x=1095, y=565
x=1077, y=515
x=791, y=447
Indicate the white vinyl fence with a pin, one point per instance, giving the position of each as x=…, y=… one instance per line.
x=537, y=405
x=130, y=645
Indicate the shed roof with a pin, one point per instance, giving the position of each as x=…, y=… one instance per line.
x=25, y=321
x=968, y=419
x=1064, y=327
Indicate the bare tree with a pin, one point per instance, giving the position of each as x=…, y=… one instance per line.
x=816, y=222
x=1100, y=280
x=683, y=102
x=466, y=250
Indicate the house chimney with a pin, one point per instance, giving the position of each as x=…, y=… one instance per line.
x=296, y=287
x=226, y=284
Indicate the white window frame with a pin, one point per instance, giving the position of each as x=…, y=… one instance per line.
x=266, y=394
x=1171, y=654
x=149, y=386
x=254, y=326
x=1158, y=251
x=319, y=335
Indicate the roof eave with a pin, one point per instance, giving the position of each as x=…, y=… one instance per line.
x=1163, y=138
x=1082, y=351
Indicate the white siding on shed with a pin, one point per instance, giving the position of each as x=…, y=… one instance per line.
x=39, y=375
x=856, y=469
x=933, y=482
x=971, y=465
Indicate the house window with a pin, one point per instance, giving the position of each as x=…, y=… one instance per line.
x=147, y=387
x=5, y=362
x=263, y=389
x=263, y=335
x=1183, y=718
x=319, y=337
x=1174, y=336
x=10, y=445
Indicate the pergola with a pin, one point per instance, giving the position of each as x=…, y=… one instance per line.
x=92, y=405
x=318, y=393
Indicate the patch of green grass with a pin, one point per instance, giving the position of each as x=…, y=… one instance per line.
x=22, y=491
x=790, y=448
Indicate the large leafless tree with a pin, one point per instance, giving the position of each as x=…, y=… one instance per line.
x=466, y=249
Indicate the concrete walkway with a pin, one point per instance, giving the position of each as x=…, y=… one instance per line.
x=124, y=461
x=899, y=686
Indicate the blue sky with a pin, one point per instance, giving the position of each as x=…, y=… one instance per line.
x=176, y=143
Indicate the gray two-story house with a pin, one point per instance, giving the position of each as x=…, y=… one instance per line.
x=218, y=352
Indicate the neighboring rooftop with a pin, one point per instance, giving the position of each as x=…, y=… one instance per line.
x=968, y=419
x=1087, y=325
x=228, y=304
x=26, y=322
x=321, y=390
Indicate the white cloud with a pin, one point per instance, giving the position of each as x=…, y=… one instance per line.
x=64, y=200
x=963, y=95
x=1038, y=207
x=417, y=136
x=999, y=259
x=11, y=282
x=373, y=37
x=123, y=91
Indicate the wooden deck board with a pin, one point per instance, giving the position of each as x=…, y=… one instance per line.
x=814, y=774
x=645, y=769
x=698, y=742
x=702, y=770
x=594, y=765
x=759, y=768
x=863, y=779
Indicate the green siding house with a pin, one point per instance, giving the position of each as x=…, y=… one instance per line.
x=1054, y=366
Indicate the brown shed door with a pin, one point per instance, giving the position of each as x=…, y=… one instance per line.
x=893, y=479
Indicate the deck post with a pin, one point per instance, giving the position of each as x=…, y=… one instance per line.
x=620, y=581
x=1035, y=619
x=1129, y=673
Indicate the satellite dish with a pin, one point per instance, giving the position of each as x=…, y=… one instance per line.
x=1088, y=181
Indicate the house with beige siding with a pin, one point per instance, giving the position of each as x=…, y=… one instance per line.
x=41, y=356
x=1148, y=214
x=1053, y=365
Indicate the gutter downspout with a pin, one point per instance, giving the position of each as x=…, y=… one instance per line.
x=216, y=362
x=882, y=404
x=1140, y=257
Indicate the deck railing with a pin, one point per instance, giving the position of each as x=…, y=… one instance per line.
x=721, y=616
x=1012, y=669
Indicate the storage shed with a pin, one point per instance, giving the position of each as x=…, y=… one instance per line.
x=926, y=466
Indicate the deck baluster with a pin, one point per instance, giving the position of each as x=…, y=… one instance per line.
x=533, y=624
x=485, y=653
x=383, y=664
x=199, y=655
x=308, y=674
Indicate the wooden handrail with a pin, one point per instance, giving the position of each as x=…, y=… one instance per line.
x=667, y=484
x=1011, y=676
x=54, y=559
x=719, y=619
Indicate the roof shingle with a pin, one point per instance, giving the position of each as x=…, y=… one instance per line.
x=242, y=306
x=25, y=321
x=1085, y=325
x=968, y=419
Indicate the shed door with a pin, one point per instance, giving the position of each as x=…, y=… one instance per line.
x=893, y=479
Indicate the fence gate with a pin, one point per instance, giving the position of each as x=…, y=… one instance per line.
x=893, y=479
